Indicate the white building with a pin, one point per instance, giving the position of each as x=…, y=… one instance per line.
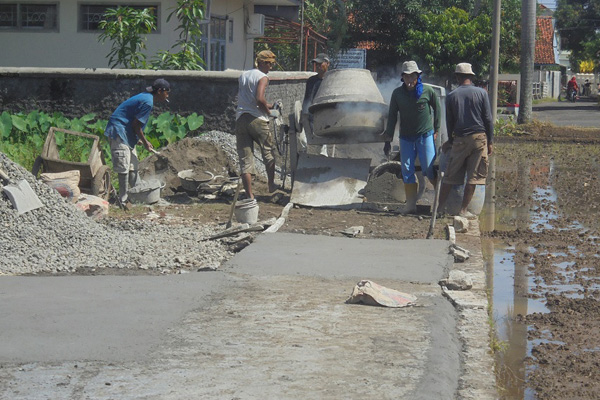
x=64, y=33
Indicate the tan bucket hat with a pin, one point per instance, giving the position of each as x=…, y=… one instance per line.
x=409, y=67
x=464, y=68
x=266, y=56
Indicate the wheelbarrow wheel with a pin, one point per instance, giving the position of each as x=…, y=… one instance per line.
x=101, y=183
x=38, y=166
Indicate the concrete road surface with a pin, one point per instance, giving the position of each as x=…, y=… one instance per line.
x=584, y=112
x=271, y=324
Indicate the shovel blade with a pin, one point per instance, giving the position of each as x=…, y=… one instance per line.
x=22, y=196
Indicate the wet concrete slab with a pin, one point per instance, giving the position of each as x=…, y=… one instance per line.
x=418, y=260
x=262, y=327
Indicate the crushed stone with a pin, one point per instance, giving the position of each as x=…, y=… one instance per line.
x=59, y=237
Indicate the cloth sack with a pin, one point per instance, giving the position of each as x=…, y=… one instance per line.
x=66, y=183
x=370, y=293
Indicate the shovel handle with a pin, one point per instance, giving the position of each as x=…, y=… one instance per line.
x=235, y=197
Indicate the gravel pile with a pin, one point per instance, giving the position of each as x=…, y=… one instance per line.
x=226, y=141
x=60, y=238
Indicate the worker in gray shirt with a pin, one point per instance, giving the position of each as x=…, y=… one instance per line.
x=470, y=135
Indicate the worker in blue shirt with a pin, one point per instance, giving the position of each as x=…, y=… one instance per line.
x=126, y=128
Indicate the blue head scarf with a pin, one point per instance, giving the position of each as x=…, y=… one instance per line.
x=419, y=88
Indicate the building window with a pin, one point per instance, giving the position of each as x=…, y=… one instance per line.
x=29, y=16
x=218, y=38
x=90, y=15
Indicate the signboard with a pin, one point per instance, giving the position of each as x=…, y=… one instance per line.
x=352, y=58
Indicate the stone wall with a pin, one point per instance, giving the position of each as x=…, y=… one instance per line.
x=76, y=92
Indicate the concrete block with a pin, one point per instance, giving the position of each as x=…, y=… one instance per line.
x=461, y=225
x=457, y=280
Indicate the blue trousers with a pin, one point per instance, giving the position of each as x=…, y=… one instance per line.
x=422, y=146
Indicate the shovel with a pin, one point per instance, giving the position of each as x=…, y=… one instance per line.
x=235, y=197
x=22, y=197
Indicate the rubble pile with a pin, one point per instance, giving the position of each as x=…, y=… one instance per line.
x=58, y=237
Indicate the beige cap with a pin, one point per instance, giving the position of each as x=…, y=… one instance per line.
x=464, y=68
x=408, y=67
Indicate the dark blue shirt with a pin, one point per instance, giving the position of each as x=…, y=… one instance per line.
x=468, y=112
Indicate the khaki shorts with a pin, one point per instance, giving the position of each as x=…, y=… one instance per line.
x=124, y=158
x=249, y=130
x=468, y=155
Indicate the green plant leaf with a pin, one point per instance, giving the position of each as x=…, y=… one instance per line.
x=195, y=121
x=5, y=125
x=19, y=123
x=88, y=117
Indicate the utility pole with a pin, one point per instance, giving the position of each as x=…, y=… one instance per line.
x=493, y=88
x=301, y=34
x=528, y=23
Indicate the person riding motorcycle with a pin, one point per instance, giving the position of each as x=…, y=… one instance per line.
x=572, y=89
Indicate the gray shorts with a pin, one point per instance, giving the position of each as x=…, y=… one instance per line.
x=124, y=158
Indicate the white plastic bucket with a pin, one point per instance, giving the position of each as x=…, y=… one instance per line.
x=246, y=211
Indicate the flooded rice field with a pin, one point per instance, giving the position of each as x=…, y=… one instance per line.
x=541, y=239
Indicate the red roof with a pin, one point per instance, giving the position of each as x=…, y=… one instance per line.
x=544, y=50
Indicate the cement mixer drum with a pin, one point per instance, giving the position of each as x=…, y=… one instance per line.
x=349, y=108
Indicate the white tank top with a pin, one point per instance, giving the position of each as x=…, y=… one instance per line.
x=248, y=84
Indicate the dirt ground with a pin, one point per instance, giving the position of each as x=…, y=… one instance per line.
x=547, y=192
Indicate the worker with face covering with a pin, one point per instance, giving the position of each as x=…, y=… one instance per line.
x=419, y=110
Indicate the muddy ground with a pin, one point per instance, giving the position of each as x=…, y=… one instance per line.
x=547, y=209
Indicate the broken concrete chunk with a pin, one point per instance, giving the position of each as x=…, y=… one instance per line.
x=457, y=280
x=208, y=267
x=353, y=231
x=461, y=225
x=460, y=254
x=451, y=234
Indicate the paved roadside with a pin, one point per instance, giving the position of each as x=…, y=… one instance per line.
x=271, y=324
x=584, y=112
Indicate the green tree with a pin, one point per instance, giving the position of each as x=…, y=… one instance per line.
x=385, y=26
x=190, y=13
x=382, y=25
x=510, y=35
x=126, y=27
x=445, y=39
x=578, y=22
x=328, y=17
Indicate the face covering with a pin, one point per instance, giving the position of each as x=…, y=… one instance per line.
x=419, y=88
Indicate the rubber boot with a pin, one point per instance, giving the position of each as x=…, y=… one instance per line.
x=123, y=187
x=411, y=190
x=134, y=178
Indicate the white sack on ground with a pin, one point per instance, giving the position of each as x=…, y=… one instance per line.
x=370, y=293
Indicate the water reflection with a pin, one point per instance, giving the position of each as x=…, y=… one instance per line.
x=562, y=266
x=508, y=282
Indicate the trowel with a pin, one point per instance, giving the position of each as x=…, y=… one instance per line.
x=22, y=197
